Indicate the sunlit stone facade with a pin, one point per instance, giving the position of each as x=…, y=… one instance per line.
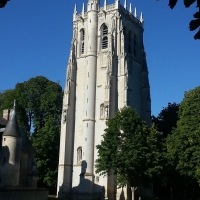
x=106, y=71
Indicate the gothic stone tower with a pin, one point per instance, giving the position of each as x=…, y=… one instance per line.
x=106, y=71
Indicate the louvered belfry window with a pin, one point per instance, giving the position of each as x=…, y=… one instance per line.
x=82, y=41
x=135, y=46
x=104, y=37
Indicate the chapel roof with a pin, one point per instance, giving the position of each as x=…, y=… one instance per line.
x=12, y=128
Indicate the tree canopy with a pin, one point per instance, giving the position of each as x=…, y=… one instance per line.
x=184, y=144
x=131, y=149
x=167, y=119
x=39, y=105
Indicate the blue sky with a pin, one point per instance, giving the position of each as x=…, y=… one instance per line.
x=35, y=39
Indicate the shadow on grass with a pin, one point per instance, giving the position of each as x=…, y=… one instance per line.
x=53, y=197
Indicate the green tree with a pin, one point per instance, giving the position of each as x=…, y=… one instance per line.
x=195, y=23
x=156, y=157
x=6, y=100
x=129, y=149
x=39, y=105
x=166, y=122
x=184, y=144
x=3, y=3
x=167, y=119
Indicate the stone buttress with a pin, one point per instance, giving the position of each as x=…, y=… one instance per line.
x=107, y=70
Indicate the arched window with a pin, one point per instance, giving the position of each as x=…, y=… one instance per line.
x=102, y=112
x=124, y=31
x=135, y=45
x=79, y=154
x=104, y=35
x=82, y=41
x=129, y=42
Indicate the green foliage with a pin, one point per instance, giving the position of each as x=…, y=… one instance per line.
x=184, y=144
x=39, y=105
x=194, y=24
x=130, y=149
x=6, y=100
x=198, y=175
x=156, y=156
x=167, y=118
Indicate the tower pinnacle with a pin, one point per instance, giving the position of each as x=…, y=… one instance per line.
x=105, y=4
x=74, y=14
x=130, y=9
x=83, y=9
x=141, y=18
x=135, y=13
x=75, y=9
x=125, y=4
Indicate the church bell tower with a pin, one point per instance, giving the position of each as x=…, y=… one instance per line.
x=106, y=71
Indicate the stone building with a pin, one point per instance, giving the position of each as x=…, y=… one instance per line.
x=107, y=70
x=17, y=156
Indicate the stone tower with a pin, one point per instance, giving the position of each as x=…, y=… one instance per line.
x=106, y=71
x=11, y=147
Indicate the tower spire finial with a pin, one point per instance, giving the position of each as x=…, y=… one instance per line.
x=116, y=3
x=75, y=9
x=141, y=18
x=125, y=4
x=130, y=9
x=74, y=14
x=105, y=4
x=135, y=13
x=83, y=9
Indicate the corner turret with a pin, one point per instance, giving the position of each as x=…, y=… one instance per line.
x=93, y=5
x=11, y=152
x=12, y=128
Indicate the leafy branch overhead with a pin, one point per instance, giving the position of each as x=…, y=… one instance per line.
x=195, y=23
x=3, y=3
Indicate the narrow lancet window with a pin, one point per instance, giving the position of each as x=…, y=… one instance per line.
x=102, y=112
x=135, y=46
x=79, y=154
x=82, y=41
x=104, y=34
x=129, y=42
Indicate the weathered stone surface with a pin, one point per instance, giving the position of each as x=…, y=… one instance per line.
x=106, y=71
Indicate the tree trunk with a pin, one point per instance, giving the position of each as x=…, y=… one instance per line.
x=139, y=193
x=133, y=193
x=185, y=194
